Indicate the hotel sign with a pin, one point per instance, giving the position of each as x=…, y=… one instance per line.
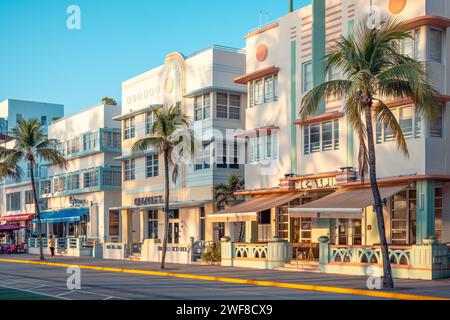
x=145, y=201
x=313, y=184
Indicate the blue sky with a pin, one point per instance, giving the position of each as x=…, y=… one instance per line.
x=40, y=59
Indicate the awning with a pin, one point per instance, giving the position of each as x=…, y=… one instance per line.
x=17, y=217
x=248, y=211
x=65, y=215
x=346, y=203
x=9, y=227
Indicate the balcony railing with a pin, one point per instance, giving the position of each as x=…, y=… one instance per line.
x=398, y=255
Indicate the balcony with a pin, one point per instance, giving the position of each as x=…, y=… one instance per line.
x=86, y=181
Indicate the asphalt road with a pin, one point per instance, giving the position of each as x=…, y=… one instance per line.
x=100, y=285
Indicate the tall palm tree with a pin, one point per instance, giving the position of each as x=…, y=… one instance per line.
x=374, y=70
x=171, y=137
x=30, y=145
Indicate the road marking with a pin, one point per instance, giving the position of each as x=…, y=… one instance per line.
x=32, y=292
x=293, y=286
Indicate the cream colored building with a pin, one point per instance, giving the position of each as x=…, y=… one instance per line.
x=78, y=198
x=202, y=86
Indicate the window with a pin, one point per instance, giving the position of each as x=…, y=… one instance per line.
x=114, y=223
x=73, y=146
x=129, y=128
x=203, y=159
x=262, y=147
x=406, y=121
x=228, y=106
x=19, y=117
x=438, y=207
x=29, y=199
x=403, y=218
x=333, y=74
x=90, y=179
x=149, y=122
x=60, y=184
x=222, y=105
x=227, y=155
x=407, y=47
x=129, y=170
x=112, y=178
x=73, y=182
x=307, y=77
x=436, y=125
x=153, y=224
x=13, y=201
x=202, y=107
x=46, y=187
x=321, y=137
x=90, y=141
x=36, y=171
x=152, y=166
x=112, y=139
x=44, y=120
x=436, y=45
x=263, y=90
x=409, y=121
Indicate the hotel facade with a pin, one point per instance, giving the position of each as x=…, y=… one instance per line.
x=306, y=202
x=17, y=207
x=78, y=198
x=202, y=86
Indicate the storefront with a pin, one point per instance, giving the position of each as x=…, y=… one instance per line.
x=23, y=224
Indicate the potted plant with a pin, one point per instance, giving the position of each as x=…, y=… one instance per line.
x=212, y=256
x=324, y=239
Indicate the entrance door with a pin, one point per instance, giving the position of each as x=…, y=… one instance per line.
x=343, y=232
x=174, y=227
x=301, y=228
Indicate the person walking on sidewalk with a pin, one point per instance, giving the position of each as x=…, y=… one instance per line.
x=51, y=245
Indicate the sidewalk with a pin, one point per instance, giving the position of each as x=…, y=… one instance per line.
x=438, y=289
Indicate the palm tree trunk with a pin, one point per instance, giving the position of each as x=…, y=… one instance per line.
x=166, y=208
x=388, y=281
x=38, y=211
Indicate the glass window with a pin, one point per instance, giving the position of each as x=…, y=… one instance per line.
x=112, y=178
x=336, y=135
x=251, y=88
x=29, y=199
x=114, y=223
x=327, y=136
x=263, y=90
x=314, y=138
x=152, y=166
x=203, y=159
x=436, y=125
x=91, y=179
x=307, y=77
x=44, y=120
x=73, y=182
x=202, y=107
x=153, y=224
x=259, y=91
x=73, y=146
x=407, y=47
x=60, y=184
x=333, y=74
x=406, y=121
x=13, y=201
x=90, y=141
x=268, y=89
x=46, y=187
x=222, y=105
x=206, y=106
x=438, y=207
x=129, y=170
x=112, y=139
x=149, y=122
x=129, y=128
x=436, y=45
x=403, y=218
x=235, y=107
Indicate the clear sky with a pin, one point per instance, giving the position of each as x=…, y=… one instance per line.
x=41, y=59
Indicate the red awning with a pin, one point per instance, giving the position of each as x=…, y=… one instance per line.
x=9, y=227
x=17, y=217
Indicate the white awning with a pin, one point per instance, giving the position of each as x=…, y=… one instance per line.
x=346, y=203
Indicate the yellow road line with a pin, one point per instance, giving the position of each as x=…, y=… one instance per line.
x=294, y=286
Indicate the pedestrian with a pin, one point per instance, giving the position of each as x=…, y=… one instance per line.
x=51, y=245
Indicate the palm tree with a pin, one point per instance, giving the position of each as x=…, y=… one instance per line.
x=224, y=193
x=374, y=70
x=30, y=145
x=171, y=137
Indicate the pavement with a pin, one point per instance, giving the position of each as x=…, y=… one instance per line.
x=129, y=280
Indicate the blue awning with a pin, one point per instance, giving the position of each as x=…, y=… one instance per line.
x=65, y=215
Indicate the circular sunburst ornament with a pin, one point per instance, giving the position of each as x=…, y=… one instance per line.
x=397, y=6
x=262, y=52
